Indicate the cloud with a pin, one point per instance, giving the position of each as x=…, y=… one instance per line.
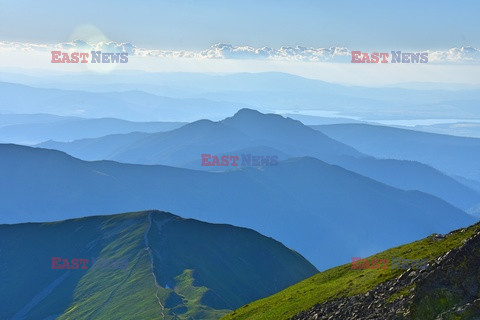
x=105, y=46
x=455, y=55
x=228, y=51
x=461, y=55
x=6, y=46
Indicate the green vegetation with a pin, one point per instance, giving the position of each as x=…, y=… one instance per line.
x=342, y=281
x=191, y=299
x=439, y=301
x=397, y=295
x=103, y=294
x=200, y=270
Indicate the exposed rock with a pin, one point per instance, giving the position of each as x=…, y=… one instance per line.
x=448, y=289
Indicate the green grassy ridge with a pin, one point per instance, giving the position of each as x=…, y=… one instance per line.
x=84, y=294
x=118, y=294
x=203, y=270
x=342, y=281
x=192, y=299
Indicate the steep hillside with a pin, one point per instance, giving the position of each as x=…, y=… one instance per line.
x=448, y=288
x=149, y=265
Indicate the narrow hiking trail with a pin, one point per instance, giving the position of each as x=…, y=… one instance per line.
x=147, y=248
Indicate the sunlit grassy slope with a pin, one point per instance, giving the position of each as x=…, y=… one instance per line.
x=342, y=281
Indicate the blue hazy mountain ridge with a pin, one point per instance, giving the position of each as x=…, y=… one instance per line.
x=269, y=91
x=268, y=134
x=413, y=175
x=103, y=148
x=188, y=83
x=247, y=128
x=453, y=155
x=317, y=120
x=228, y=267
x=243, y=157
x=473, y=184
x=457, y=128
x=69, y=128
x=275, y=91
x=107, y=147
x=303, y=202
x=130, y=105
x=205, y=82
x=14, y=119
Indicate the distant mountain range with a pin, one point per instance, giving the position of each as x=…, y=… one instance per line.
x=462, y=128
x=33, y=129
x=247, y=128
x=10, y=119
x=266, y=91
x=320, y=203
x=452, y=155
x=132, y=105
x=144, y=265
x=250, y=131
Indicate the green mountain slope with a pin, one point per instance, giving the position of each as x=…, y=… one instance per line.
x=453, y=270
x=173, y=268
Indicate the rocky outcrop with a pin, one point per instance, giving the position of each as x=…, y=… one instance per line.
x=448, y=289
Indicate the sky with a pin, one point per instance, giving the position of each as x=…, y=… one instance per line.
x=193, y=24
x=238, y=31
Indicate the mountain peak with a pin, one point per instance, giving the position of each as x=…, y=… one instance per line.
x=246, y=116
x=246, y=112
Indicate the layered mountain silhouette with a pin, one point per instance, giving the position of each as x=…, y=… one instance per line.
x=453, y=155
x=33, y=129
x=250, y=131
x=303, y=202
x=248, y=128
x=133, y=105
x=143, y=265
x=197, y=95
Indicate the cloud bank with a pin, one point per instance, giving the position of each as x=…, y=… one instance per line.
x=461, y=55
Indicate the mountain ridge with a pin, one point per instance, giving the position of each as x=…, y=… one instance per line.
x=199, y=276
x=251, y=129
x=329, y=201
x=451, y=154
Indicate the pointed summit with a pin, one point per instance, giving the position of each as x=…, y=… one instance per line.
x=248, y=118
x=246, y=114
